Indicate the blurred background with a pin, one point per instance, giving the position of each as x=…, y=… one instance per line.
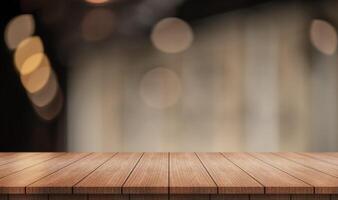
x=169, y=75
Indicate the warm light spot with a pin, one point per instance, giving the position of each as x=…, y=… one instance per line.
x=46, y=94
x=33, y=62
x=36, y=80
x=98, y=24
x=18, y=29
x=160, y=88
x=323, y=36
x=172, y=35
x=97, y=1
x=27, y=48
x=52, y=110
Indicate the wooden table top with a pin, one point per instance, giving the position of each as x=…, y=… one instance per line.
x=168, y=173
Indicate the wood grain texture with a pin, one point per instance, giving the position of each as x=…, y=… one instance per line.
x=322, y=166
x=323, y=183
x=150, y=176
x=16, y=183
x=108, y=197
x=270, y=197
x=27, y=197
x=188, y=176
x=23, y=163
x=190, y=197
x=149, y=197
x=310, y=197
x=229, y=197
x=62, y=181
x=323, y=157
x=67, y=197
x=11, y=157
x=110, y=177
x=229, y=178
x=274, y=180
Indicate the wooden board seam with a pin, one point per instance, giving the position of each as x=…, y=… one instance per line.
x=131, y=173
x=285, y=157
x=56, y=171
x=217, y=187
x=313, y=187
x=115, y=153
x=264, y=188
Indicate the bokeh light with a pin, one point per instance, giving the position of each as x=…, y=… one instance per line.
x=97, y=1
x=323, y=36
x=172, y=35
x=28, y=47
x=18, y=29
x=52, y=110
x=35, y=81
x=160, y=88
x=47, y=93
x=98, y=24
x=33, y=62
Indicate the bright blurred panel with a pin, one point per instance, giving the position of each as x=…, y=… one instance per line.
x=323, y=36
x=172, y=35
x=97, y=1
x=27, y=48
x=18, y=29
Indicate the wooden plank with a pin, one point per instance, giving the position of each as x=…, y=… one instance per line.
x=323, y=183
x=67, y=197
x=108, y=197
x=190, y=197
x=229, y=197
x=27, y=197
x=16, y=183
x=334, y=197
x=149, y=197
x=322, y=166
x=323, y=157
x=109, y=178
x=274, y=180
x=310, y=197
x=21, y=164
x=229, y=178
x=150, y=176
x=62, y=181
x=270, y=197
x=11, y=157
x=188, y=176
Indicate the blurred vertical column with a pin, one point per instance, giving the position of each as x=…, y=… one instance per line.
x=323, y=36
x=261, y=81
x=294, y=80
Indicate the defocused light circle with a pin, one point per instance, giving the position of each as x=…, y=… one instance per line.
x=323, y=36
x=33, y=62
x=98, y=24
x=97, y=1
x=36, y=80
x=172, y=35
x=18, y=29
x=28, y=47
x=160, y=88
x=52, y=110
x=46, y=94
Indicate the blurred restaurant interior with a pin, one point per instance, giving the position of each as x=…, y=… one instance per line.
x=168, y=75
